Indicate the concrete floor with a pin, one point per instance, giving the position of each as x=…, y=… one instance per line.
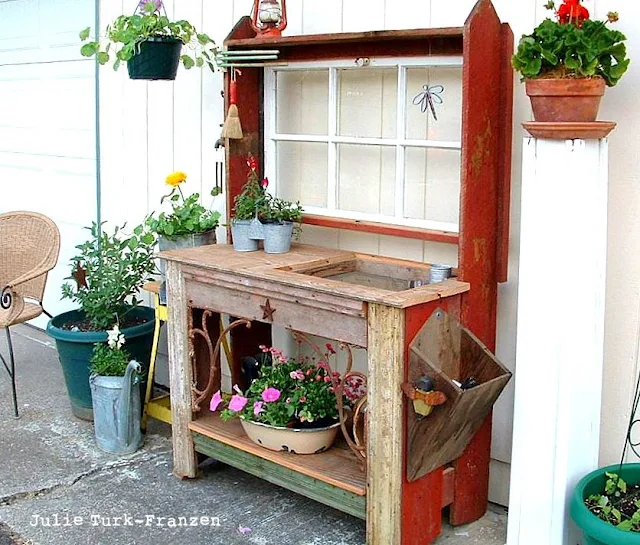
x=50, y=467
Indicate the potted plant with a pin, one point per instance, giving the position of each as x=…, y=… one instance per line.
x=606, y=505
x=151, y=44
x=189, y=224
x=249, y=208
x=291, y=405
x=279, y=219
x=115, y=397
x=566, y=63
x=109, y=271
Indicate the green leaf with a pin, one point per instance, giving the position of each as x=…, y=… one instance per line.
x=199, y=62
x=84, y=34
x=187, y=61
x=88, y=50
x=625, y=525
x=103, y=57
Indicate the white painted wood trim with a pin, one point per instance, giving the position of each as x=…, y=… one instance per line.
x=365, y=141
x=560, y=337
x=375, y=62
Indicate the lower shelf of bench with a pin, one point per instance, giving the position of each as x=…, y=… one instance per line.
x=332, y=477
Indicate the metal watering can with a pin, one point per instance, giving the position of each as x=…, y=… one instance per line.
x=116, y=411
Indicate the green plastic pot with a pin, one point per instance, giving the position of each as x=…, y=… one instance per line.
x=157, y=59
x=596, y=531
x=76, y=347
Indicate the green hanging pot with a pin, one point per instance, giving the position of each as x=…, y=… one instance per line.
x=156, y=58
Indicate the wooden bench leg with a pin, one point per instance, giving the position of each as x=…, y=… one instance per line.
x=471, y=489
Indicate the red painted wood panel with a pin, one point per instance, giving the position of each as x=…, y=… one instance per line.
x=479, y=204
x=422, y=499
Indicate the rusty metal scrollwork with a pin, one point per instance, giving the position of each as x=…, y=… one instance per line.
x=214, y=368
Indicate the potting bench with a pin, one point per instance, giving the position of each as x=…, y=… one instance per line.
x=407, y=482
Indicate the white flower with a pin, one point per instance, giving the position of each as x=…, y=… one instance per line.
x=115, y=339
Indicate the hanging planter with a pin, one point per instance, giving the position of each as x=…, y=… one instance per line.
x=150, y=44
x=157, y=59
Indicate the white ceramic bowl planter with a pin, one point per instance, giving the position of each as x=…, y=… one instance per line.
x=296, y=441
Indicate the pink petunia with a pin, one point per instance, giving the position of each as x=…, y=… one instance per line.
x=215, y=401
x=257, y=407
x=237, y=403
x=298, y=375
x=271, y=394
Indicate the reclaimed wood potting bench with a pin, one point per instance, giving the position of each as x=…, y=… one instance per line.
x=407, y=482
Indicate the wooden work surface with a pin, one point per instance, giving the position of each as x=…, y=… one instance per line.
x=283, y=269
x=337, y=466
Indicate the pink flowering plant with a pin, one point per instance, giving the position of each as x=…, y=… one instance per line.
x=294, y=393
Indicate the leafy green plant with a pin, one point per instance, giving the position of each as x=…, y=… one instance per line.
x=187, y=215
x=110, y=360
x=253, y=199
x=573, y=46
x=291, y=393
x=124, y=36
x=109, y=270
x=619, y=504
x=279, y=210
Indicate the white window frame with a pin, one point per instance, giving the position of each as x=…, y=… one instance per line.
x=332, y=139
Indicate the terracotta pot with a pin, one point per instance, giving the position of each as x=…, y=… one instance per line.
x=567, y=99
x=296, y=441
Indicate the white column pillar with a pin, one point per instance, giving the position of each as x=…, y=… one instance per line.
x=560, y=335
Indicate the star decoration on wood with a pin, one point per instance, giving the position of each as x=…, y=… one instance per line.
x=80, y=276
x=267, y=311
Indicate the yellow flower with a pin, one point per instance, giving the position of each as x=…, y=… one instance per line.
x=176, y=178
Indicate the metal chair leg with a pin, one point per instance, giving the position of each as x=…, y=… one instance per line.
x=12, y=373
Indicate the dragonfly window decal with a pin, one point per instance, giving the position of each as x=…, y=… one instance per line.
x=428, y=98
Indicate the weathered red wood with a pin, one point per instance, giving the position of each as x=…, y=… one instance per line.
x=482, y=60
x=249, y=94
x=245, y=342
x=504, y=166
x=448, y=484
x=242, y=30
x=422, y=499
x=382, y=229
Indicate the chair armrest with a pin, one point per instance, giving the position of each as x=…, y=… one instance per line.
x=8, y=290
x=11, y=306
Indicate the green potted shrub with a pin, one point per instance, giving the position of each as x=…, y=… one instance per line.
x=108, y=272
x=115, y=396
x=279, y=220
x=249, y=208
x=567, y=62
x=151, y=44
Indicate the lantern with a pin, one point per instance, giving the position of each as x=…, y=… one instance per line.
x=269, y=17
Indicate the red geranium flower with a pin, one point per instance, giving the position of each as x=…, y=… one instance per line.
x=571, y=11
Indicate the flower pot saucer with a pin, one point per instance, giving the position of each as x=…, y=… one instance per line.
x=569, y=130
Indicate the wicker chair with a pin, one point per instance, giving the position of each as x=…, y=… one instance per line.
x=29, y=248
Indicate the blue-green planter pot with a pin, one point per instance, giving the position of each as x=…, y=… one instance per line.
x=596, y=531
x=76, y=347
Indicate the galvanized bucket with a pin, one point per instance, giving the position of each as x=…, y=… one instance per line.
x=439, y=273
x=117, y=411
x=277, y=237
x=241, y=233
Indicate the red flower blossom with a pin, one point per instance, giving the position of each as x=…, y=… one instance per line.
x=252, y=163
x=265, y=183
x=571, y=11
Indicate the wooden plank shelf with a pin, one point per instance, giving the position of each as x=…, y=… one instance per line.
x=337, y=467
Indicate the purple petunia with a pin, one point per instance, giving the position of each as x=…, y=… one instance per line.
x=215, y=401
x=150, y=6
x=237, y=403
x=257, y=407
x=271, y=394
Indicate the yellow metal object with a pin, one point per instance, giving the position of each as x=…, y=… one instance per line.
x=160, y=407
x=422, y=407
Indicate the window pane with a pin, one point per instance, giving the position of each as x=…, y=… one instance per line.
x=302, y=172
x=366, y=179
x=443, y=84
x=432, y=184
x=367, y=100
x=302, y=101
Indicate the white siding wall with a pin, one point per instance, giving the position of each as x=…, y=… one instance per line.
x=47, y=120
x=149, y=129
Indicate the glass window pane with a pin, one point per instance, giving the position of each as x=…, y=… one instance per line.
x=436, y=89
x=366, y=179
x=367, y=99
x=302, y=101
x=432, y=184
x=302, y=172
